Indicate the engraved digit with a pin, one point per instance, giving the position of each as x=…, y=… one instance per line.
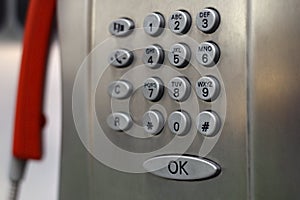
x=177, y=24
x=176, y=126
x=204, y=23
x=176, y=58
x=176, y=92
x=150, y=60
x=205, y=58
x=205, y=92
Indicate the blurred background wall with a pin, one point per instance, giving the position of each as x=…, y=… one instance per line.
x=41, y=177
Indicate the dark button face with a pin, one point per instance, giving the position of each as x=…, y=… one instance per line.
x=183, y=168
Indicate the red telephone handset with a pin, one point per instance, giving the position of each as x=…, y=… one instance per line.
x=29, y=119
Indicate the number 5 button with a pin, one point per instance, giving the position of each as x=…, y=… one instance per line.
x=208, y=54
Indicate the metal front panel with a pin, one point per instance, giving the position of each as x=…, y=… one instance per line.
x=82, y=174
x=275, y=95
x=73, y=35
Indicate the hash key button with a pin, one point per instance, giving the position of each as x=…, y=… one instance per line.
x=208, y=123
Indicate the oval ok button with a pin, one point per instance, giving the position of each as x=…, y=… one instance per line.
x=182, y=167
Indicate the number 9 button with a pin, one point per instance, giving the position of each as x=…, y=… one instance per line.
x=207, y=88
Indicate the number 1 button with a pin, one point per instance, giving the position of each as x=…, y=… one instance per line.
x=154, y=24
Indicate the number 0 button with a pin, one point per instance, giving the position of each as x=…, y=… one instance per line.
x=208, y=54
x=179, y=122
x=208, y=20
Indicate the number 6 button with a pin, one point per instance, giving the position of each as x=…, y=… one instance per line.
x=208, y=54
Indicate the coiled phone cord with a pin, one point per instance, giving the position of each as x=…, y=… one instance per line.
x=29, y=119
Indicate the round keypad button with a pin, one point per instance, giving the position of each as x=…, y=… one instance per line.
x=179, y=122
x=208, y=54
x=179, y=88
x=153, y=56
x=179, y=55
x=207, y=88
x=154, y=24
x=208, y=20
x=153, y=89
x=208, y=123
x=180, y=22
x=153, y=122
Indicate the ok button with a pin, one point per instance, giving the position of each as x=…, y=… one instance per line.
x=182, y=167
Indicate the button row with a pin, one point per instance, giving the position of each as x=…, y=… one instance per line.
x=179, y=22
x=207, y=54
x=208, y=123
x=179, y=88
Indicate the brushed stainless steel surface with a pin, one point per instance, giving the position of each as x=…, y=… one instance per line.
x=74, y=36
x=182, y=167
x=274, y=99
x=83, y=177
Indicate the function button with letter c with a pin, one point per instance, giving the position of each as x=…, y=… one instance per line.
x=208, y=20
x=208, y=54
x=154, y=24
x=120, y=89
x=121, y=27
x=180, y=22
